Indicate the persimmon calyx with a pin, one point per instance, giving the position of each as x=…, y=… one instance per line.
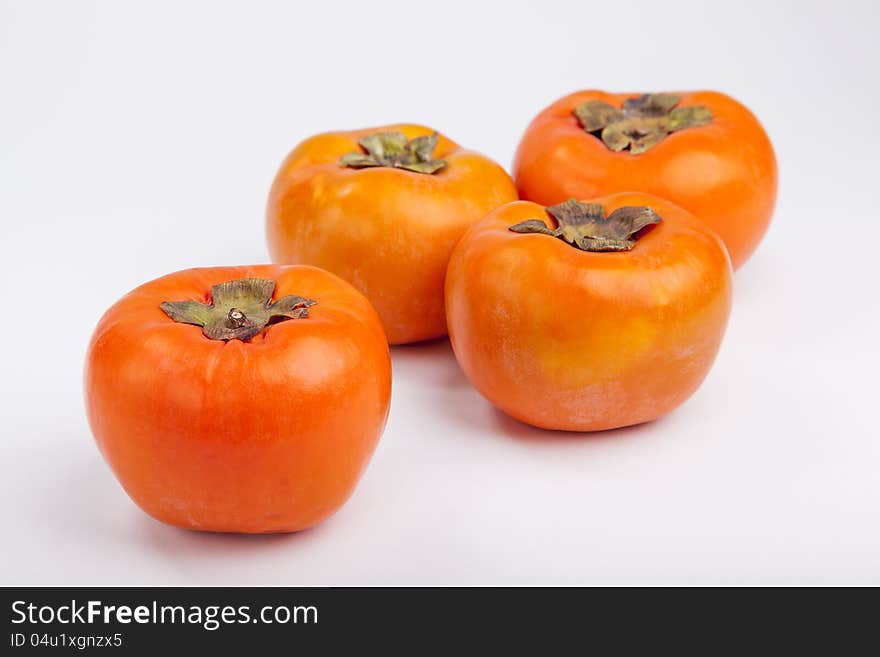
x=239, y=309
x=585, y=226
x=393, y=149
x=642, y=123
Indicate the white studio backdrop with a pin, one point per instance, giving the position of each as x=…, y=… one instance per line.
x=138, y=139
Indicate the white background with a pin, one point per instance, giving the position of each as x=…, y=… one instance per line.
x=139, y=140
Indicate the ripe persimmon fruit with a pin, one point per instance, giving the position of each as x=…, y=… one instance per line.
x=702, y=150
x=588, y=316
x=383, y=209
x=239, y=399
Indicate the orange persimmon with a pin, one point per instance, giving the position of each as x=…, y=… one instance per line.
x=383, y=208
x=702, y=150
x=588, y=316
x=239, y=399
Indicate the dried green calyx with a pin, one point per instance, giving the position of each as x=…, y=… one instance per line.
x=393, y=149
x=642, y=123
x=585, y=226
x=239, y=309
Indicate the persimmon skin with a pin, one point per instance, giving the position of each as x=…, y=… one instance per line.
x=724, y=173
x=387, y=231
x=267, y=435
x=561, y=338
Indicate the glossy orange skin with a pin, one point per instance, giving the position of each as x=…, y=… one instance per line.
x=566, y=339
x=387, y=231
x=724, y=173
x=268, y=435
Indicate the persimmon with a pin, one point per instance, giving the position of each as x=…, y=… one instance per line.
x=383, y=208
x=588, y=316
x=239, y=399
x=702, y=150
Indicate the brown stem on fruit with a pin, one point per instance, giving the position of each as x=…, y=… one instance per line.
x=393, y=149
x=584, y=225
x=236, y=318
x=239, y=309
x=642, y=123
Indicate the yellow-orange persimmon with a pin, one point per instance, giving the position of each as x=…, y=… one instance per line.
x=588, y=316
x=383, y=208
x=239, y=399
x=701, y=150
